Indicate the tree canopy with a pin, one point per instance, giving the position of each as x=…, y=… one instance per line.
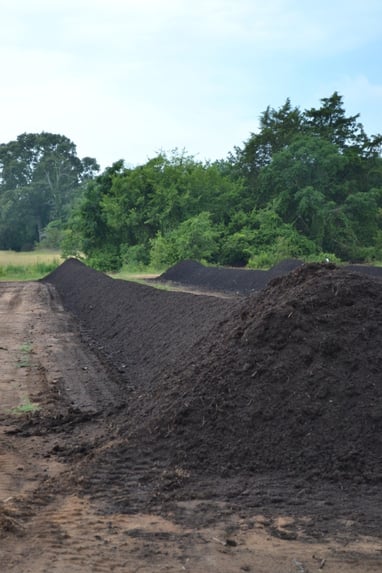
x=40, y=175
x=307, y=184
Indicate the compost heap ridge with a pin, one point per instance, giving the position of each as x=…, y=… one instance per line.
x=293, y=380
x=225, y=279
x=240, y=281
x=288, y=380
x=138, y=329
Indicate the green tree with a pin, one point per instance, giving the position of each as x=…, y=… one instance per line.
x=311, y=211
x=89, y=229
x=311, y=184
x=40, y=175
x=277, y=129
x=306, y=162
x=274, y=240
x=129, y=208
x=362, y=210
x=305, y=183
x=196, y=238
x=330, y=122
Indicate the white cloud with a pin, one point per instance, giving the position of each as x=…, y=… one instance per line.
x=124, y=78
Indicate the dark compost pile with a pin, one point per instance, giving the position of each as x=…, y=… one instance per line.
x=240, y=281
x=288, y=379
x=139, y=329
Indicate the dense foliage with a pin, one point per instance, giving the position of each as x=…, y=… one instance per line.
x=308, y=184
x=40, y=176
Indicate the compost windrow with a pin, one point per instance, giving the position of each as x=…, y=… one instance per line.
x=287, y=380
x=239, y=281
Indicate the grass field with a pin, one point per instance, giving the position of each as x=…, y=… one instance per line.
x=27, y=265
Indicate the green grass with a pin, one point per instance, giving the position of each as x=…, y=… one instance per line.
x=26, y=407
x=139, y=275
x=24, y=266
x=26, y=347
x=136, y=273
x=24, y=361
x=132, y=272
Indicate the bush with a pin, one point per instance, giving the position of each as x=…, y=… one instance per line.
x=196, y=238
x=236, y=249
x=137, y=256
x=274, y=241
x=163, y=251
x=105, y=261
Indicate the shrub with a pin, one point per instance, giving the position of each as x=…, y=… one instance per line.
x=105, y=261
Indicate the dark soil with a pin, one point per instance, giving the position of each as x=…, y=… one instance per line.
x=239, y=281
x=140, y=330
x=292, y=381
x=285, y=384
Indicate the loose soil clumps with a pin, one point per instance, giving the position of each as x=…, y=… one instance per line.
x=287, y=380
x=291, y=382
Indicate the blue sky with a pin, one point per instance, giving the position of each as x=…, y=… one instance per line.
x=124, y=79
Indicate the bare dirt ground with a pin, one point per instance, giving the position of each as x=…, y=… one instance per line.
x=59, y=402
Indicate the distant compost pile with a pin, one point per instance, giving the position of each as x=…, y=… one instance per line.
x=287, y=379
x=239, y=281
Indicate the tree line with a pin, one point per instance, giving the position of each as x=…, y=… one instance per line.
x=307, y=184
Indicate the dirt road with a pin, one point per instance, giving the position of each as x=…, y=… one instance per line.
x=56, y=403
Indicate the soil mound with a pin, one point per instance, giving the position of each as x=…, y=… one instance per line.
x=366, y=270
x=225, y=279
x=288, y=380
x=292, y=382
x=139, y=330
x=240, y=281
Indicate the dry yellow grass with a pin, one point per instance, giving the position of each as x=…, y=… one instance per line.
x=28, y=258
x=27, y=265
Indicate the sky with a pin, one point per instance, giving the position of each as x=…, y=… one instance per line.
x=126, y=79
